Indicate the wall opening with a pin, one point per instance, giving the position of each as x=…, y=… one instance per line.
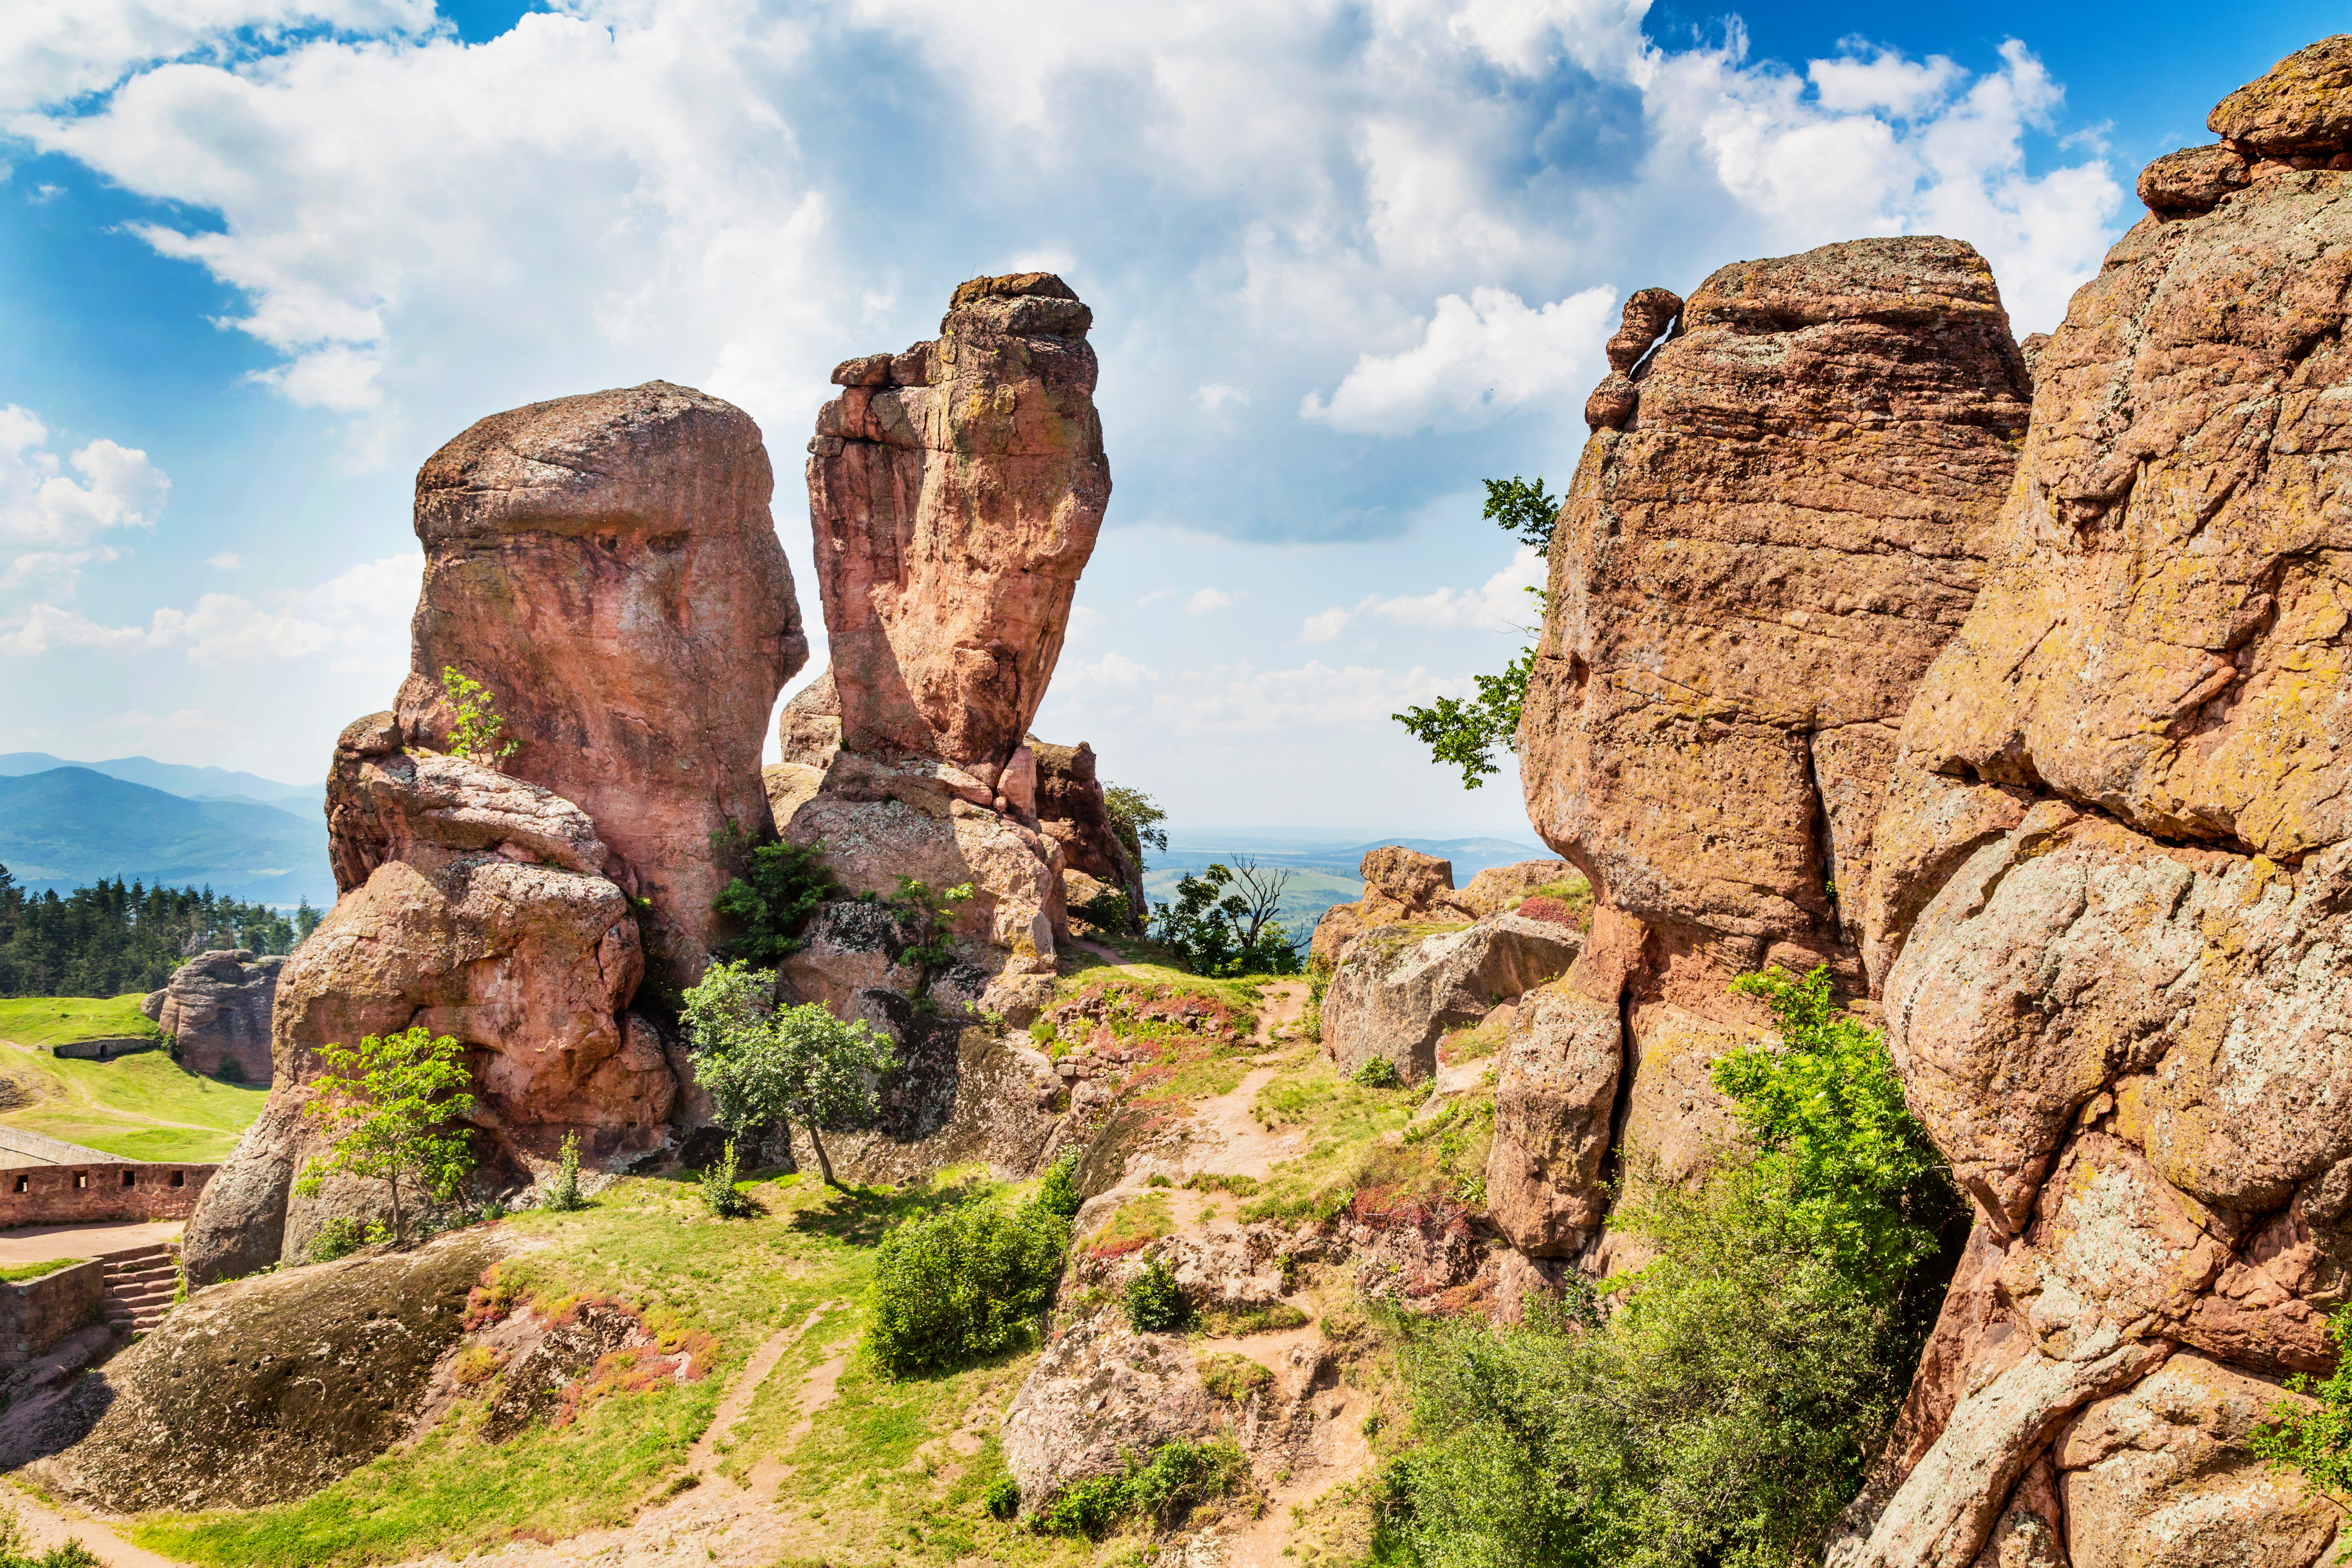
x=24, y=1184
x=81, y=1180
x=179, y=1178
x=130, y=1179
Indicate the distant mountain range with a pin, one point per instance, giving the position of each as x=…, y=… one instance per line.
x=178, y=778
x=68, y=826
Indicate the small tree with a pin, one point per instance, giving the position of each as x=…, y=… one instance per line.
x=475, y=736
x=1462, y=732
x=1221, y=922
x=775, y=889
x=388, y=1110
x=766, y=1065
x=2315, y=1439
x=1135, y=820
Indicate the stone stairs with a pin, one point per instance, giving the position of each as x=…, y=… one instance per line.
x=139, y=1283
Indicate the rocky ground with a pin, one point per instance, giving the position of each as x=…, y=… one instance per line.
x=558, y=1414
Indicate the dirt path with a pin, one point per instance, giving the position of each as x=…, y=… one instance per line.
x=45, y=1527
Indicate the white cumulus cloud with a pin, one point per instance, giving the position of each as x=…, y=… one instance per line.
x=358, y=618
x=1207, y=599
x=1502, y=602
x=54, y=524
x=1478, y=359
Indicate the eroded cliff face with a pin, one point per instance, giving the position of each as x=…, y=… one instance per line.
x=956, y=490
x=1777, y=523
x=2108, y=909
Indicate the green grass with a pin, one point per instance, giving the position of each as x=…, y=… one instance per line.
x=45, y=1021
x=16, y=1273
x=874, y=1457
x=142, y=1107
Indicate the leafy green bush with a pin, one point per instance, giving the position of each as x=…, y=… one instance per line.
x=1180, y=1476
x=1723, y=1415
x=720, y=1195
x=2316, y=1439
x=965, y=1283
x=1109, y=910
x=775, y=889
x=342, y=1236
x=1377, y=1072
x=1001, y=1498
x=1057, y=1192
x=564, y=1194
x=1154, y=1303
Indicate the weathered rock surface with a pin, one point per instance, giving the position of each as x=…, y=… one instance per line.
x=1817, y=452
x=471, y=933
x=1777, y=523
x=2108, y=904
x=1071, y=813
x=607, y=565
x=1394, y=996
x=1401, y=886
x=215, y=1012
x=1555, y=1089
x=1499, y=888
x=264, y=1390
x=956, y=490
x=2302, y=104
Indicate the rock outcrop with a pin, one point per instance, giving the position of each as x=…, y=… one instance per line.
x=215, y=1012
x=607, y=565
x=261, y=1390
x=1766, y=542
x=2108, y=903
x=607, y=568
x=1402, y=886
x=1070, y=812
x=956, y=490
x=1395, y=994
x=485, y=925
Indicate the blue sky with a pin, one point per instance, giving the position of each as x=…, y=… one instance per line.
x=258, y=257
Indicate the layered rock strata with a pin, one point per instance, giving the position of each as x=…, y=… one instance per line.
x=605, y=565
x=1775, y=530
x=2108, y=906
x=956, y=490
x=216, y=1011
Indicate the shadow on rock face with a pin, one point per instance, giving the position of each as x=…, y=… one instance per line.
x=262, y=1390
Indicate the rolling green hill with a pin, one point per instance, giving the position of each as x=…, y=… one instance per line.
x=141, y=1106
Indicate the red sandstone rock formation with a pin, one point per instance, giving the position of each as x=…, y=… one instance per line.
x=1071, y=813
x=607, y=565
x=215, y=1012
x=1762, y=550
x=1400, y=885
x=956, y=490
x=2108, y=902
